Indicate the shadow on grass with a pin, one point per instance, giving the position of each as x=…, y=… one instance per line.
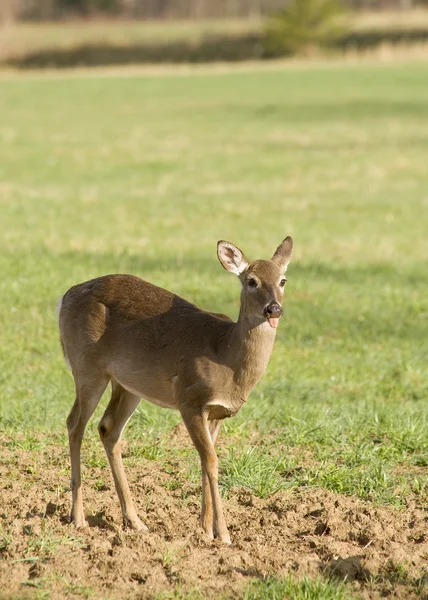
x=370, y=39
x=209, y=49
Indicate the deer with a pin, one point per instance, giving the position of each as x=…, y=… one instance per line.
x=151, y=343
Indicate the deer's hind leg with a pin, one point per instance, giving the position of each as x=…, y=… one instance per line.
x=88, y=393
x=119, y=410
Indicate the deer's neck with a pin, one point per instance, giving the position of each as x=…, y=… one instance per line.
x=250, y=348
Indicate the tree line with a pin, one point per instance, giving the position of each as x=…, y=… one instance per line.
x=147, y=9
x=159, y=9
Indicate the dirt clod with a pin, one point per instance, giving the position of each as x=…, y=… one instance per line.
x=348, y=569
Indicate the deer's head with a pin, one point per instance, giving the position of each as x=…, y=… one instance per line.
x=263, y=281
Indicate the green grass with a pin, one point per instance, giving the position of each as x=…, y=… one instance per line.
x=287, y=587
x=145, y=174
x=276, y=589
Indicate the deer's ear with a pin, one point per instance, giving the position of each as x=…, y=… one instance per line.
x=231, y=257
x=283, y=253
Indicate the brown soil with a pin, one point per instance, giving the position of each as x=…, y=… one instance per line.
x=383, y=552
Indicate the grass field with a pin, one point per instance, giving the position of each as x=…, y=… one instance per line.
x=143, y=175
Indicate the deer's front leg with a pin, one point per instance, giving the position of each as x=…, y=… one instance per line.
x=202, y=435
x=207, y=505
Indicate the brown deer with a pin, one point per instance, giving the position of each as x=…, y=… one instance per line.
x=155, y=345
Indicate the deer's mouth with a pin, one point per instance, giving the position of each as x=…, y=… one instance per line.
x=273, y=312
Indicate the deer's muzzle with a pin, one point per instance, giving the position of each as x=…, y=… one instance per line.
x=273, y=312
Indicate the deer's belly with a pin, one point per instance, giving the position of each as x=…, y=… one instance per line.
x=164, y=397
x=162, y=402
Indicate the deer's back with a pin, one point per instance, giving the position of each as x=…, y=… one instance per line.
x=116, y=318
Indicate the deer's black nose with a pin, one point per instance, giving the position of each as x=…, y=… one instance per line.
x=273, y=310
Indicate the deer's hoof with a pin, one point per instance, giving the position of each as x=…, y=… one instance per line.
x=208, y=529
x=135, y=524
x=224, y=538
x=79, y=522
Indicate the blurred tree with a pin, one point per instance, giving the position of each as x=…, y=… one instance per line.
x=86, y=7
x=40, y=9
x=127, y=7
x=304, y=25
x=8, y=12
x=164, y=9
x=47, y=9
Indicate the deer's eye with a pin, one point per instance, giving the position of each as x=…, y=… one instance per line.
x=252, y=283
x=282, y=282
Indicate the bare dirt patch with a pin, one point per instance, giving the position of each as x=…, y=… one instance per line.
x=383, y=552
